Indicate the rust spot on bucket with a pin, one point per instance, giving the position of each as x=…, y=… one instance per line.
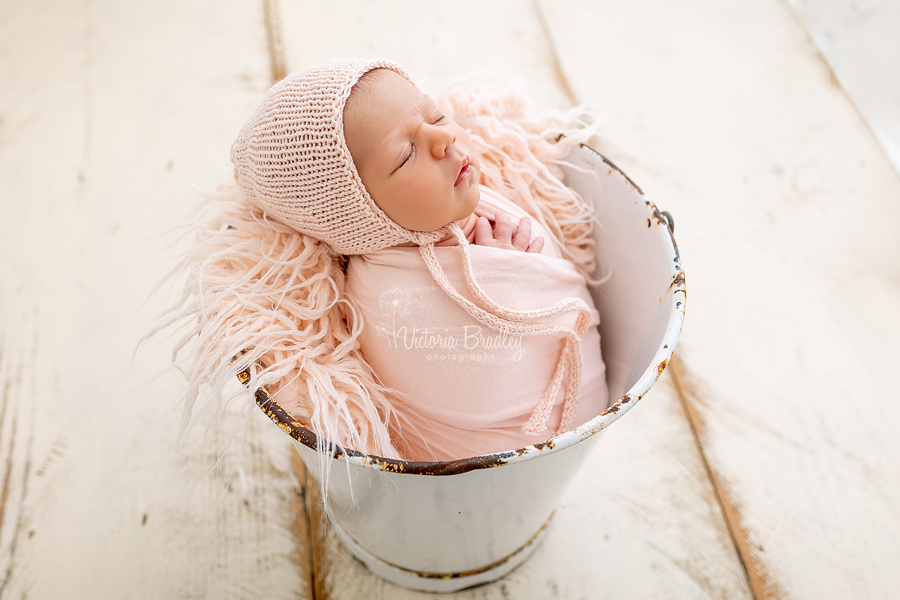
x=621, y=403
x=661, y=367
x=549, y=444
x=657, y=215
x=612, y=409
x=677, y=281
x=305, y=436
x=662, y=218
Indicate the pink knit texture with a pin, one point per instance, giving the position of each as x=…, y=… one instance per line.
x=467, y=390
x=265, y=300
x=292, y=161
x=523, y=322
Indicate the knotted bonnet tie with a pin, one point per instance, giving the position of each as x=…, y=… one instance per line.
x=291, y=160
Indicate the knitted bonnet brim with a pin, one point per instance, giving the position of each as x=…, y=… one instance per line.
x=291, y=160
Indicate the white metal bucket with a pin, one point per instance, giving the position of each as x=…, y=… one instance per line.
x=445, y=526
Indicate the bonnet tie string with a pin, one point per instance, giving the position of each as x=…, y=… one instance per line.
x=524, y=323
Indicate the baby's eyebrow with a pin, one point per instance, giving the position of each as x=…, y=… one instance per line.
x=425, y=107
x=410, y=123
x=429, y=103
x=410, y=119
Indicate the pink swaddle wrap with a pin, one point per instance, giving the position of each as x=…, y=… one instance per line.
x=465, y=389
x=514, y=354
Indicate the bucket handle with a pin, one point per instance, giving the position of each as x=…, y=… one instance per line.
x=670, y=222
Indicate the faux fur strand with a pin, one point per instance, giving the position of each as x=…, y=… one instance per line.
x=521, y=155
x=271, y=299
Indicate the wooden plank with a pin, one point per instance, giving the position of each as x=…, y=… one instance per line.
x=497, y=43
x=859, y=38
x=106, y=109
x=642, y=521
x=785, y=209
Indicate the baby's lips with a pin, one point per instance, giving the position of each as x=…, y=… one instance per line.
x=465, y=171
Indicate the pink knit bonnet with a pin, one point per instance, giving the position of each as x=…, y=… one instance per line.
x=292, y=161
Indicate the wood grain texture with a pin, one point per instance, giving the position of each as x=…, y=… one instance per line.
x=642, y=520
x=859, y=40
x=107, y=109
x=785, y=211
x=495, y=42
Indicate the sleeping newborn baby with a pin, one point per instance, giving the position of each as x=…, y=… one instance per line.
x=463, y=388
x=405, y=281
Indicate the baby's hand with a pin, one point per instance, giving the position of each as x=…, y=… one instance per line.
x=505, y=235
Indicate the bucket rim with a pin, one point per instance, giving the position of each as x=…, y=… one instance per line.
x=303, y=435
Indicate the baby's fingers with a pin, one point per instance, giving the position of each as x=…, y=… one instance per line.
x=537, y=245
x=523, y=236
x=503, y=228
x=483, y=234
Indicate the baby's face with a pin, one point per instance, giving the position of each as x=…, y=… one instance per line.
x=418, y=165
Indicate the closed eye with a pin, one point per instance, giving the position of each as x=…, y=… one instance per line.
x=412, y=151
x=440, y=119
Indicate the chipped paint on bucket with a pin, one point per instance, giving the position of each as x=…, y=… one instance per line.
x=445, y=526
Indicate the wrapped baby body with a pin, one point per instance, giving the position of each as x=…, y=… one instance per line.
x=464, y=389
x=418, y=350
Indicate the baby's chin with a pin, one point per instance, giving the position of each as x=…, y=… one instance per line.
x=473, y=197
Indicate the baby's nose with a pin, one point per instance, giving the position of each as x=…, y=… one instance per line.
x=441, y=140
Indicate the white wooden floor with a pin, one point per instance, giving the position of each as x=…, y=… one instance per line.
x=763, y=465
